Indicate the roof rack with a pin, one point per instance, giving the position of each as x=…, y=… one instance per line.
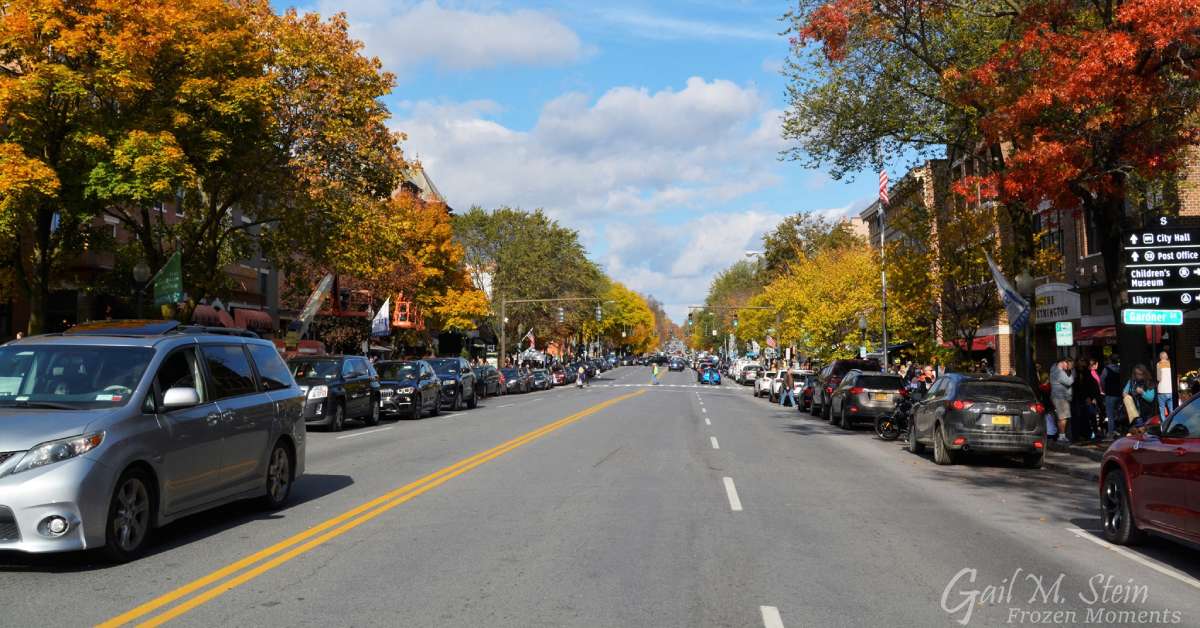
x=140, y=328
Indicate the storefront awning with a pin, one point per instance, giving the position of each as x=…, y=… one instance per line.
x=208, y=315
x=978, y=343
x=1096, y=336
x=253, y=320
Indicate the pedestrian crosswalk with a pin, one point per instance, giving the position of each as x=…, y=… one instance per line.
x=709, y=386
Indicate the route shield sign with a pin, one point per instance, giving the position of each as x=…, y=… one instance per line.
x=1162, y=267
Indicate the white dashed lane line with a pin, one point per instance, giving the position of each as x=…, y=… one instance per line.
x=713, y=440
x=770, y=617
x=706, y=421
x=357, y=434
x=735, y=504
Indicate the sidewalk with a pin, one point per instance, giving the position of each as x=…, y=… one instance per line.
x=1081, y=461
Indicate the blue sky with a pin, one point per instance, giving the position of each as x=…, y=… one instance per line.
x=651, y=128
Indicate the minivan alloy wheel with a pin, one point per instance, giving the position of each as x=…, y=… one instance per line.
x=279, y=475
x=130, y=519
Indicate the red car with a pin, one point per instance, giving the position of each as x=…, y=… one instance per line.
x=1151, y=481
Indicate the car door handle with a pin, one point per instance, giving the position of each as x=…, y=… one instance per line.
x=213, y=418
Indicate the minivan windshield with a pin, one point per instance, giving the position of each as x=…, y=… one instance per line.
x=314, y=369
x=398, y=370
x=70, y=377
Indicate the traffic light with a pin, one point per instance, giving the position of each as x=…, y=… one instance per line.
x=598, y=315
x=562, y=316
x=735, y=321
x=689, y=319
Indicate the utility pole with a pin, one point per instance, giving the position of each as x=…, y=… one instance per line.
x=500, y=353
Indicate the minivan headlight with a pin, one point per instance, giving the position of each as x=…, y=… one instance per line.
x=58, y=450
x=318, y=392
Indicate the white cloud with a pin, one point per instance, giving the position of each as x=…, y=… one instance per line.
x=630, y=151
x=644, y=175
x=405, y=34
x=664, y=27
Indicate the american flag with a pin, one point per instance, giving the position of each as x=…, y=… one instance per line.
x=883, y=186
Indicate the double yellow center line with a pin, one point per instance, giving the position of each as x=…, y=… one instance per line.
x=265, y=560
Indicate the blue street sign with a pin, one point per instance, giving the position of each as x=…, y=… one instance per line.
x=1152, y=317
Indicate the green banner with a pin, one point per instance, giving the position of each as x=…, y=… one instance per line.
x=168, y=283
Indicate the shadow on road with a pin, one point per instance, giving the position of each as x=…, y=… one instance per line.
x=183, y=532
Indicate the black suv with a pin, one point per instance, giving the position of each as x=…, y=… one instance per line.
x=984, y=413
x=336, y=388
x=458, y=382
x=829, y=378
x=409, y=388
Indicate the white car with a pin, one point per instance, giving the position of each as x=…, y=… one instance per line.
x=763, y=383
x=748, y=374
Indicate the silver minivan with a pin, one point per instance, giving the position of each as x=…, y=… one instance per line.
x=114, y=428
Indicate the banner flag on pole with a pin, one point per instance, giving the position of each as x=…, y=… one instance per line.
x=299, y=327
x=1014, y=303
x=168, y=281
x=380, y=325
x=530, y=338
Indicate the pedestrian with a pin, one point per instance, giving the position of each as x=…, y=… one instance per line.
x=1139, y=397
x=1165, y=392
x=1085, y=395
x=1061, y=382
x=654, y=374
x=788, y=396
x=20, y=335
x=1110, y=387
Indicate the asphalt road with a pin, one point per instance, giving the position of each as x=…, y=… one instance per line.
x=628, y=505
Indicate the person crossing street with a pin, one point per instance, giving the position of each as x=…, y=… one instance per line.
x=788, y=396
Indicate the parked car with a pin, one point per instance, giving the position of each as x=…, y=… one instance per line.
x=514, y=381
x=558, y=375
x=408, y=388
x=338, y=388
x=806, y=385
x=748, y=373
x=487, y=378
x=984, y=413
x=114, y=428
x=458, y=382
x=541, y=379
x=1148, y=482
x=864, y=396
x=829, y=378
x=762, y=383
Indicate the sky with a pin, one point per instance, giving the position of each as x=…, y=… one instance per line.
x=653, y=129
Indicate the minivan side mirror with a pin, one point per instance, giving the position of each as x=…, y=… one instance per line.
x=180, y=397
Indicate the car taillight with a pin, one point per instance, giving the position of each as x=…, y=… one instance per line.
x=856, y=390
x=829, y=389
x=903, y=392
x=808, y=389
x=959, y=404
x=1037, y=408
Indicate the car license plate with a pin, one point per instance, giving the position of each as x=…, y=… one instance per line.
x=1000, y=419
x=881, y=396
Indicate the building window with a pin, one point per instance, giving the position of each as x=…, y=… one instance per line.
x=1047, y=231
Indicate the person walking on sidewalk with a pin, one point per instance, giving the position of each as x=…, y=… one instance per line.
x=1061, y=382
x=1085, y=395
x=1165, y=390
x=788, y=396
x=1110, y=386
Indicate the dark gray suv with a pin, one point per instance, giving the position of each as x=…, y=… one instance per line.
x=985, y=413
x=112, y=429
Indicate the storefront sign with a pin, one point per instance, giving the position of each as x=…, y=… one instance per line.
x=1162, y=267
x=1056, y=302
x=1064, y=334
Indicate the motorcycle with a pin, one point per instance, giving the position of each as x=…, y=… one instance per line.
x=894, y=424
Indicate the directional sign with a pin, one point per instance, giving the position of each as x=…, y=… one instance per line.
x=1162, y=267
x=1152, y=317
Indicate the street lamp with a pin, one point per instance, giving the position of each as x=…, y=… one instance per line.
x=141, y=274
x=1025, y=285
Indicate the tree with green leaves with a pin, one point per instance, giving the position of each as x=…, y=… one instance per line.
x=516, y=254
x=803, y=235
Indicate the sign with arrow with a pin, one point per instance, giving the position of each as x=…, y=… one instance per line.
x=1162, y=267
